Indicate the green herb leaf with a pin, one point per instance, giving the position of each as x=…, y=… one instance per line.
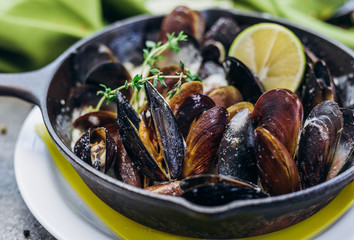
x=162, y=81
x=156, y=82
x=181, y=65
x=155, y=71
x=145, y=52
x=159, y=58
x=150, y=44
x=193, y=77
x=171, y=93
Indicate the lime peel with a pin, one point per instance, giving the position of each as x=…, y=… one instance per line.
x=273, y=53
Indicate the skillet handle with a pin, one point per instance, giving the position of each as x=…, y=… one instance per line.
x=29, y=86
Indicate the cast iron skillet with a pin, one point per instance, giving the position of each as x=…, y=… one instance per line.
x=49, y=86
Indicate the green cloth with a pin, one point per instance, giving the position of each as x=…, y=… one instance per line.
x=309, y=13
x=35, y=32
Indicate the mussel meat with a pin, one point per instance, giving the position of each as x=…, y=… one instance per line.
x=96, y=148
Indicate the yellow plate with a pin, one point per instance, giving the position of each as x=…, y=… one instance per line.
x=128, y=229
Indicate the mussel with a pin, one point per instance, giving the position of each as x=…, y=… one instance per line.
x=124, y=168
x=235, y=108
x=318, y=142
x=183, y=19
x=344, y=157
x=343, y=16
x=203, y=141
x=190, y=22
x=160, y=162
x=89, y=57
x=191, y=109
x=95, y=66
x=319, y=86
x=239, y=76
x=280, y=111
x=96, y=148
x=170, y=188
x=187, y=89
x=218, y=39
x=213, y=190
x=225, y=96
x=277, y=170
x=236, y=151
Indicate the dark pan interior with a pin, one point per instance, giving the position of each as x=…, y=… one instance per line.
x=169, y=214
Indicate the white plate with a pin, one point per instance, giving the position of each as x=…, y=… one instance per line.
x=63, y=213
x=47, y=194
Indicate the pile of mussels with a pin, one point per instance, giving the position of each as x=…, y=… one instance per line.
x=216, y=140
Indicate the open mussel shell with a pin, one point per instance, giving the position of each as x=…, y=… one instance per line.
x=344, y=15
x=319, y=86
x=213, y=51
x=318, y=142
x=106, y=119
x=89, y=57
x=191, y=23
x=112, y=75
x=344, y=157
x=218, y=39
x=170, y=141
x=96, y=148
x=84, y=96
x=132, y=143
x=191, y=109
x=125, y=169
x=96, y=119
x=169, y=136
x=325, y=79
x=219, y=194
x=224, y=30
x=124, y=105
x=309, y=91
x=239, y=76
x=214, y=190
x=205, y=179
x=280, y=111
x=236, y=156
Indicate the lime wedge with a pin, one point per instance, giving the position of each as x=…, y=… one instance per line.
x=273, y=53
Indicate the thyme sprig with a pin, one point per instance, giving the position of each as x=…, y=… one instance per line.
x=152, y=54
x=109, y=94
x=153, y=51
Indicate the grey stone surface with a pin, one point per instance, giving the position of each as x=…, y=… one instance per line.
x=16, y=220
